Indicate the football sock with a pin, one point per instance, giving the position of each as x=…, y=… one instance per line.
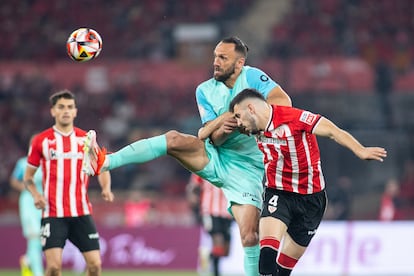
x=34, y=256
x=285, y=264
x=218, y=251
x=251, y=260
x=140, y=151
x=269, y=247
x=215, y=261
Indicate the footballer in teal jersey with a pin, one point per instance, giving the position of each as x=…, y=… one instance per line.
x=240, y=160
x=220, y=154
x=30, y=218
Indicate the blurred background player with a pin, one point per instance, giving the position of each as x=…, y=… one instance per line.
x=210, y=208
x=340, y=199
x=31, y=262
x=390, y=205
x=67, y=210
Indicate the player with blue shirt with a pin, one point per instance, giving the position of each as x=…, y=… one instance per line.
x=32, y=262
x=220, y=153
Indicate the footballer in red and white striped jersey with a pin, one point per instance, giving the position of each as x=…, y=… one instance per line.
x=291, y=152
x=64, y=184
x=213, y=201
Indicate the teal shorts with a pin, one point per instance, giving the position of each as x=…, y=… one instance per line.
x=241, y=181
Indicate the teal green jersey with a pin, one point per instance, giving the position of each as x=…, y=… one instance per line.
x=213, y=99
x=19, y=170
x=237, y=164
x=30, y=216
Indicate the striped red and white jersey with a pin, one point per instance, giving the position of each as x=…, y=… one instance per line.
x=64, y=184
x=291, y=151
x=212, y=199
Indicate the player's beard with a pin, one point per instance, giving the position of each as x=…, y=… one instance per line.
x=226, y=74
x=64, y=122
x=253, y=126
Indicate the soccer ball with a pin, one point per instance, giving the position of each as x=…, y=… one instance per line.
x=84, y=44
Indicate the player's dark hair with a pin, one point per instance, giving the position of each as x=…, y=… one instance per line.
x=63, y=94
x=240, y=46
x=244, y=94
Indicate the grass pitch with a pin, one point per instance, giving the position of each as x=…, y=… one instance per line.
x=114, y=273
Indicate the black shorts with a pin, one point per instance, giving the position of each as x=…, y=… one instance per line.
x=81, y=231
x=217, y=225
x=301, y=213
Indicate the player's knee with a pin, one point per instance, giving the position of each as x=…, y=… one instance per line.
x=53, y=270
x=174, y=140
x=94, y=268
x=250, y=238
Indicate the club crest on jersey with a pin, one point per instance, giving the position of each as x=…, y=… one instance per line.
x=51, y=141
x=271, y=209
x=280, y=131
x=307, y=117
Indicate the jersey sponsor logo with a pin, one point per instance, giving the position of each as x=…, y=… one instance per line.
x=307, y=117
x=54, y=155
x=271, y=140
x=264, y=78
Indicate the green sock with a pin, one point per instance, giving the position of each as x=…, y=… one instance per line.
x=251, y=260
x=140, y=151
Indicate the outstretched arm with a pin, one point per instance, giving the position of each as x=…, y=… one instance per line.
x=328, y=129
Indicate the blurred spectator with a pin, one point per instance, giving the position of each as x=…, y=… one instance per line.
x=37, y=30
x=390, y=202
x=137, y=209
x=402, y=60
x=340, y=199
x=407, y=184
x=384, y=82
